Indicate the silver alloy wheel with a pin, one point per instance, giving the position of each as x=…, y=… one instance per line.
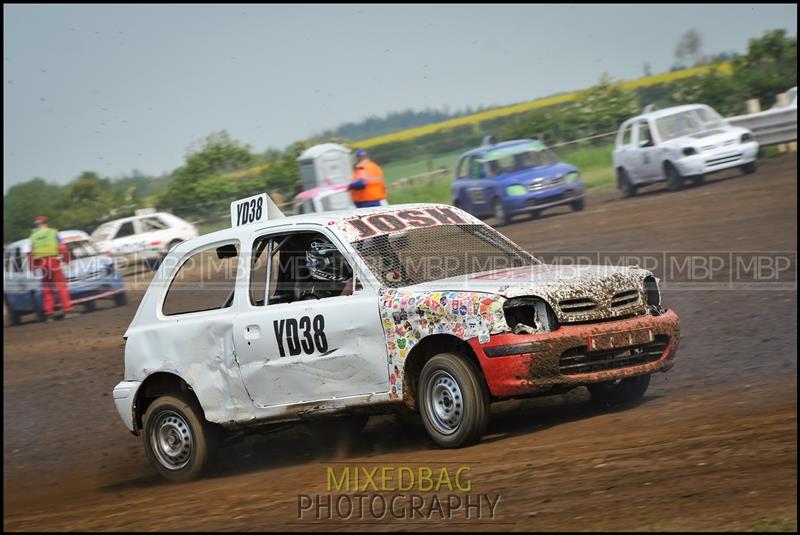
x=171, y=440
x=445, y=403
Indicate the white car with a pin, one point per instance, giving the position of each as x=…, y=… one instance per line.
x=679, y=143
x=142, y=238
x=411, y=307
x=323, y=199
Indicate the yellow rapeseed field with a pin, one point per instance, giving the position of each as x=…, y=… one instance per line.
x=413, y=133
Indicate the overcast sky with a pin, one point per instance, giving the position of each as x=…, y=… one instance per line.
x=112, y=88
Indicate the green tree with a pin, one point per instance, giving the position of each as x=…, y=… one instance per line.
x=215, y=155
x=769, y=67
x=84, y=203
x=23, y=202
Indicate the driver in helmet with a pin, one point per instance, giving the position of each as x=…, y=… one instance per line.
x=330, y=273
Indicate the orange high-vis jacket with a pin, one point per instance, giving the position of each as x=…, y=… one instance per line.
x=372, y=175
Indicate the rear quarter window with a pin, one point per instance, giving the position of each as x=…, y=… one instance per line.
x=204, y=281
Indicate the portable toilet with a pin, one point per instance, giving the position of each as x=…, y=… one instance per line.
x=325, y=165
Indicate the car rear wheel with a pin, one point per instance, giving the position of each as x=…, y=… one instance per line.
x=749, y=168
x=121, y=299
x=698, y=180
x=625, y=185
x=89, y=306
x=453, y=401
x=500, y=214
x=178, y=441
x=674, y=178
x=619, y=391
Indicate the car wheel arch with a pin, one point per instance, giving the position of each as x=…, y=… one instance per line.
x=422, y=352
x=156, y=385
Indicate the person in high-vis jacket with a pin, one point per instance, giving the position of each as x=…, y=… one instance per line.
x=46, y=256
x=367, y=187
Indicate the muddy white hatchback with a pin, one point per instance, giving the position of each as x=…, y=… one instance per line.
x=328, y=318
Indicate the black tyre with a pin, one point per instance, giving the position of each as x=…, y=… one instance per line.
x=535, y=214
x=178, y=441
x=620, y=391
x=748, y=168
x=674, y=178
x=500, y=214
x=336, y=432
x=121, y=299
x=172, y=244
x=577, y=205
x=624, y=184
x=89, y=306
x=453, y=401
x=698, y=180
x=14, y=317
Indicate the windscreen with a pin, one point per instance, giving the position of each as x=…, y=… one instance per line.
x=519, y=157
x=439, y=252
x=687, y=123
x=103, y=232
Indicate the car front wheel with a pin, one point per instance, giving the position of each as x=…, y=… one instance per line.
x=500, y=214
x=619, y=391
x=178, y=441
x=625, y=186
x=577, y=205
x=674, y=178
x=453, y=401
x=749, y=168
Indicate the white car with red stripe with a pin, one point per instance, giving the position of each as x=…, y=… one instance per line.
x=142, y=238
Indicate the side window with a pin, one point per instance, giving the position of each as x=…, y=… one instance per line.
x=627, y=136
x=298, y=266
x=151, y=224
x=476, y=168
x=205, y=281
x=126, y=229
x=645, y=139
x=462, y=170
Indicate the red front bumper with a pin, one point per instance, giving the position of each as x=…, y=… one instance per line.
x=522, y=364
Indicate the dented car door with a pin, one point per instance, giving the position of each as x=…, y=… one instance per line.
x=307, y=350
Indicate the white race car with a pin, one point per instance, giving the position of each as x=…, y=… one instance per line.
x=374, y=310
x=679, y=143
x=143, y=238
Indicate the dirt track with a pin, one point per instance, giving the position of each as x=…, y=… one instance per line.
x=712, y=446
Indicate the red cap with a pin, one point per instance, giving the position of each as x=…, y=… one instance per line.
x=40, y=219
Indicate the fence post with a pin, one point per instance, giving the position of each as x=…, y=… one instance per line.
x=753, y=106
x=783, y=101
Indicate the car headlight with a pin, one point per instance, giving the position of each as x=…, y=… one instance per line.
x=652, y=294
x=529, y=315
x=516, y=190
x=572, y=177
x=746, y=137
x=689, y=151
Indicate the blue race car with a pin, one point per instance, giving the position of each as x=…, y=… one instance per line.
x=513, y=177
x=89, y=275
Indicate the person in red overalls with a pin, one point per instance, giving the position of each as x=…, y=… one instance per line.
x=367, y=187
x=46, y=256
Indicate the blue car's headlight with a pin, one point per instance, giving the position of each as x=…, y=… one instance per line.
x=516, y=190
x=572, y=177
